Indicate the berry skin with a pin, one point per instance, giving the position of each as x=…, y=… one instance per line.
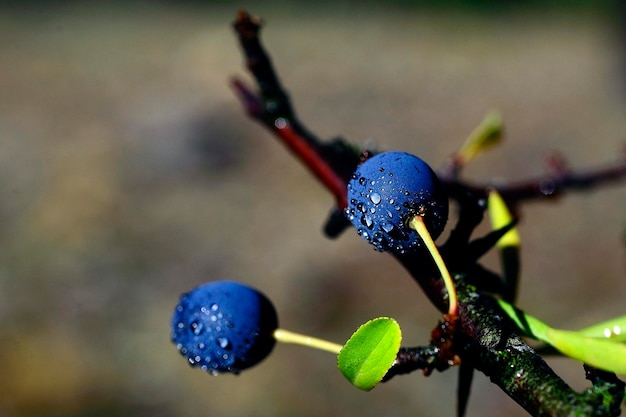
x=386, y=192
x=224, y=326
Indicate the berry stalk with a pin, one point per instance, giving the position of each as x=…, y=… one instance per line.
x=286, y=336
x=417, y=224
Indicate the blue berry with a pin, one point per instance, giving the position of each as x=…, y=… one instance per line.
x=386, y=192
x=224, y=326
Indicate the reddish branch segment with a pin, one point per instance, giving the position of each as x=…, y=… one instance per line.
x=272, y=108
x=311, y=159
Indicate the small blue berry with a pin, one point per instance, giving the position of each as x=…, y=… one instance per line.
x=386, y=192
x=224, y=326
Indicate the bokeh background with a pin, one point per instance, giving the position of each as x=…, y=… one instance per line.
x=130, y=174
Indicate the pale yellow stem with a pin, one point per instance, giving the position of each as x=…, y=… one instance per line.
x=417, y=224
x=285, y=336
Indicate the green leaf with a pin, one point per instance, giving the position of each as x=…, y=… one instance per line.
x=604, y=354
x=586, y=346
x=369, y=353
x=527, y=324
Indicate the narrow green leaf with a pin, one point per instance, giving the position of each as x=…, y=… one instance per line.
x=500, y=217
x=528, y=325
x=508, y=245
x=369, y=353
x=485, y=135
x=603, y=353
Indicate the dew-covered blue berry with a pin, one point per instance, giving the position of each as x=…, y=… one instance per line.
x=224, y=326
x=386, y=192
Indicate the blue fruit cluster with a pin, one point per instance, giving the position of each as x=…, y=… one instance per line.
x=389, y=189
x=224, y=326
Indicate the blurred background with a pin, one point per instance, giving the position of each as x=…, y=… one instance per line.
x=130, y=174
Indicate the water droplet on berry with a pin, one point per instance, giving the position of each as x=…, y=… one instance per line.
x=197, y=327
x=224, y=343
x=387, y=227
x=214, y=307
x=375, y=198
x=367, y=221
x=362, y=180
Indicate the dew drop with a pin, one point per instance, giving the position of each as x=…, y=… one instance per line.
x=213, y=372
x=361, y=208
x=375, y=198
x=201, y=346
x=367, y=221
x=197, y=327
x=214, y=307
x=362, y=180
x=387, y=227
x=224, y=343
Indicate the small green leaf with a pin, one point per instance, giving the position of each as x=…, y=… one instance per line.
x=369, y=353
